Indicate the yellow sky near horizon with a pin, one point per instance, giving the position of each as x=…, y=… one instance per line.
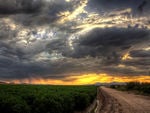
x=84, y=79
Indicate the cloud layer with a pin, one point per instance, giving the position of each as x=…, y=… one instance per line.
x=56, y=39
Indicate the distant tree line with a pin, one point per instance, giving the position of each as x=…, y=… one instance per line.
x=140, y=88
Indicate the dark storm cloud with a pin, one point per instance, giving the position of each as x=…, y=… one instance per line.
x=142, y=5
x=140, y=59
x=123, y=71
x=138, y=62
x=138, y=6
x=114, y=37
x=11, y=69
x=33, y=12
x=20, y=70
x=15, y=63
x=104, y=44
x=108, y=45
x=20, y=6
x=56, y=45
x=140, y=53
x=108, y=41
x=11, y=53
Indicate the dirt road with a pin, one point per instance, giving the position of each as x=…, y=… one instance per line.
x=113, y=101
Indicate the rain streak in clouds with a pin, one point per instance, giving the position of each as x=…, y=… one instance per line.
x=61, y=40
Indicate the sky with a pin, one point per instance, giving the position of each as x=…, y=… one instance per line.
x=73, y=42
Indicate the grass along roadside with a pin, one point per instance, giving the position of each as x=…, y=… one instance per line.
x=135, y=87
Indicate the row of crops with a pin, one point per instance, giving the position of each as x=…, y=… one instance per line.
x=45, y=99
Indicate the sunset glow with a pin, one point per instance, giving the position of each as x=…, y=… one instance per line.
x=84, y=79
x=126, y=57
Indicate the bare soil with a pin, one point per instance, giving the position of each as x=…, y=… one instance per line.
x=114, y=101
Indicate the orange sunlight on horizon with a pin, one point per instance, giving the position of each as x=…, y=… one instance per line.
x=83, y=79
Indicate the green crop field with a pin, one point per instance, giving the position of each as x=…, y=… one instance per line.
x=45, y=98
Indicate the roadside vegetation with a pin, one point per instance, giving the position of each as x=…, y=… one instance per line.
x=137, y=87
x=45, y=98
